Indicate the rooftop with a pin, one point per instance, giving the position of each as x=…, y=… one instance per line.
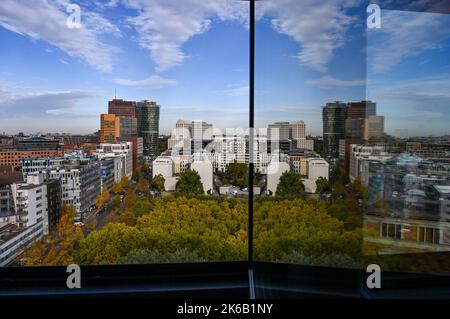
x=444, y=189
x=9, y=175
x=8, y=231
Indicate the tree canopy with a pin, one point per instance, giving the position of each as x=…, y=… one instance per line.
x=235, y=174
x=322, y=185
x=189, y=183
x=158, y=183
x=213, y=229
x=290, y=185
x=56, y=248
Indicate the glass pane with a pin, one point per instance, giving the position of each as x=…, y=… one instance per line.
x=106, y=112
x=408, y=173
x=353, y=99
x=311, y=106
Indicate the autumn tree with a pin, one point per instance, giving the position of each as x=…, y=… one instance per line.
x=127, y=217
x=56, y=248
x=149, y=256
x=290, y=185
x=99, y=201
x=106, y=196
x=108, y=244
x=175, y=229
x=116, y=188
x=124, y=183
x=189, y=183
x=130, y=198
x=102, y=199
x=143, y=185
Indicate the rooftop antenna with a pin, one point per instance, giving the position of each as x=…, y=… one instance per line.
x=115, y=94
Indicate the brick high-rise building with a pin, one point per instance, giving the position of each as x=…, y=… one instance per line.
x=109, y=128
x=122, y=108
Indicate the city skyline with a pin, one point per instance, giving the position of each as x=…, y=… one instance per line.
x=49, y=79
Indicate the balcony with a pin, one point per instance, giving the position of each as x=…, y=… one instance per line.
x=22, y=212
x=22, y=219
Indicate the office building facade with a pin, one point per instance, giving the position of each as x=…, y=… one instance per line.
x=148, y=126
x=109, y=128
x=333, y=116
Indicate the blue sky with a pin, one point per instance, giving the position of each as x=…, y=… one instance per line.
x=192, y=58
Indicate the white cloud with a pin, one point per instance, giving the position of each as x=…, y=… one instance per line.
x=329, y=81
x=63, y=112
x=63, y=61
x=403, y=35
x=291, y=110
x=239, y=91
x=163, y=26
x=318, y=26
x=155, y=81
x=46, y=20
x=20, y=102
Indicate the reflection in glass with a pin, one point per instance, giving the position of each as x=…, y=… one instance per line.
x=311, y=104
x=408, y=173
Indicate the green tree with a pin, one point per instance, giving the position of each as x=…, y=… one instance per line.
x=290, y=185
x=235, y=174
x=158, y=183
x=189, y=183
x=322, y=185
